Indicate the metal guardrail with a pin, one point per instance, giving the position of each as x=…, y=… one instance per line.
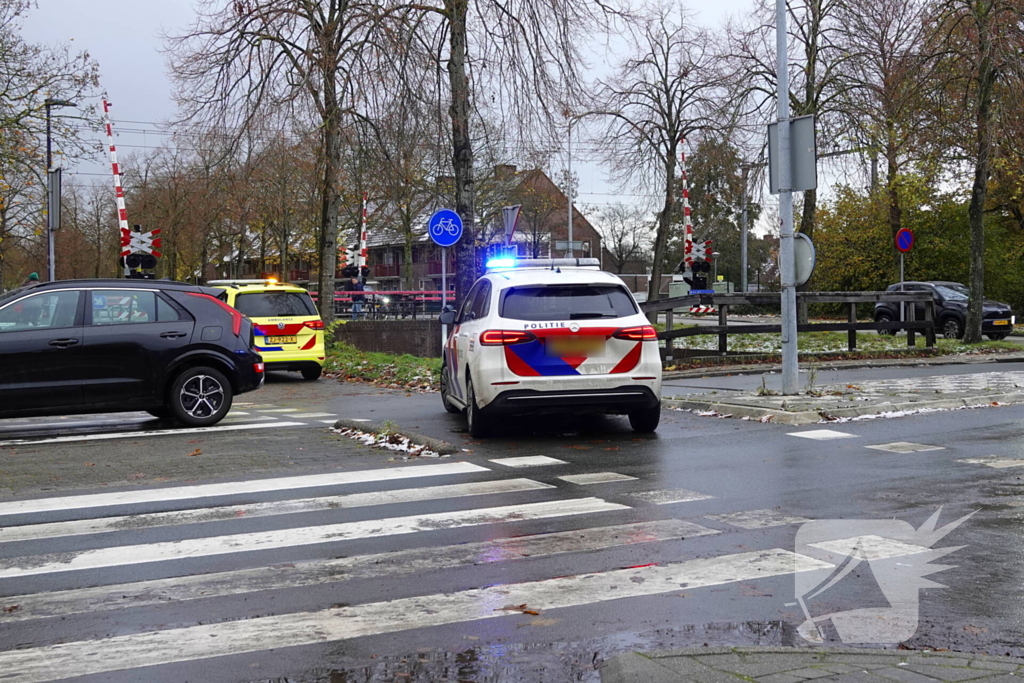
x=724, y=301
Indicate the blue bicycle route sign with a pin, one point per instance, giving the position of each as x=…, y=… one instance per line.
x=445, y=227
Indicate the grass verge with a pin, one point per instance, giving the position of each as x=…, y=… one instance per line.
x=346, y=362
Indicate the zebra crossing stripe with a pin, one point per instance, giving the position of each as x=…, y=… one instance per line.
x=316, y=572
x=152, y=432
x=121, y=556
x=52, y=662
x=232, y=488
x=81, y=527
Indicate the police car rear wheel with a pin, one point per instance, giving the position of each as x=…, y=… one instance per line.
x=645, y=421
x=445, y=389
x=479, y=425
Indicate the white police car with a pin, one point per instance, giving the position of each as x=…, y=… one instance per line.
x=551, y=335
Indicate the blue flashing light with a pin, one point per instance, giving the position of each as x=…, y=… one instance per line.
x=501, y=263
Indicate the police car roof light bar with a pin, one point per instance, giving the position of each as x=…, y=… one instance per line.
x=550, y=263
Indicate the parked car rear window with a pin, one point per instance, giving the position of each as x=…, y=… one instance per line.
x=272, y=304
x=567, y=302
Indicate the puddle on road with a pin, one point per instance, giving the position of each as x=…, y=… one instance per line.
x=507, y=662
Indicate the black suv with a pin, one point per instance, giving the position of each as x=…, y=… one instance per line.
x=89, y=346
x=950, y=310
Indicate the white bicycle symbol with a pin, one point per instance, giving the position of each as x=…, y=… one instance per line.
x=444, y=225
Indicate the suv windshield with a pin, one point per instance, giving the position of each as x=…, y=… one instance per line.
x=953, y=292
x=272, y=304
x=567, y=302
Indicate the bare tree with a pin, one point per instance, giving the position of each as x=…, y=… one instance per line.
x=657, y=98
x=626, y=233
x=245, y=61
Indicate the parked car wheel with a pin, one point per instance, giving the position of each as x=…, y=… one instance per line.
x=952, y=329
x=645, y=421
x=312, y=372
x=998, y=336
x=445, y=389
x=884, y=318
x=200, y=397
x=479, y=425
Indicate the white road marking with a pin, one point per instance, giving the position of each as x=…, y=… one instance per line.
x=667, y=496
x=871, y=547
x=289, y=538
x=529, y=461
x=231, y=488
x=823, y=434
x=278, y=410
x=245, y=420
x=328, y=422
x=309, y=415
x=236, y=412
x=192, y=643
x=754, y=519
x=82, y=527
x=355, y=419
x=157, y=432
x=905, y=447
x=316, y=572
x=994, y=461
x=596, y=478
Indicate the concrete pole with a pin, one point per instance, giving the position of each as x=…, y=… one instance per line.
x=51, y=266
x=743, y=232
x=790, y=369
x=568, y=187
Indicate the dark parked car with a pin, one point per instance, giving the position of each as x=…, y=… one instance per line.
x=950, y=310
x=87, y=346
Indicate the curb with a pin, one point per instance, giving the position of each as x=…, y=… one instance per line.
x=437, y=445
x=753, y=369
x=806, y=417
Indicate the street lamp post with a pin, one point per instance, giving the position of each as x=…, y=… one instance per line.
x=51, y=189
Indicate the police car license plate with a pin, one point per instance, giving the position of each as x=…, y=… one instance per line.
x=1001, y=322
x=575, y=347
x=280, y=340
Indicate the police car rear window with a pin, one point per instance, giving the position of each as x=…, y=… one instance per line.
x=567, y=302
x=271, y=304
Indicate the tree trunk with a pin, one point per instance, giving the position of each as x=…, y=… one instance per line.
x=462, y=147
x=976, y=210
x=664, y=225
x=330, y=200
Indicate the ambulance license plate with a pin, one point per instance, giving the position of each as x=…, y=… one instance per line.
x=575, y=347
x=280, y=340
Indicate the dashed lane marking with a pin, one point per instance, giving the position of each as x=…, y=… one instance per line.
x=278, y=410
x=905, y=447
x=122, y=556
x=315, y=572
x=308, y=415
x=596, y=478
x=82, y=527
x=755, y=519
x=823, y=434
x=36, y=665
x=668, y=496
x=995, y=461
x=529, y=461
x=156, y=432
x=233, y=488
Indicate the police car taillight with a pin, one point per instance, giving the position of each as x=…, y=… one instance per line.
x=639, y=333
x=505, y=337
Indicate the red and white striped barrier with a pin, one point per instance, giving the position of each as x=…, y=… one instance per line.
x=702, y=310
x=122, y=212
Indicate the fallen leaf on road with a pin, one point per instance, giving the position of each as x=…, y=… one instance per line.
x=198, y=451
x=517, y=608
x=12, y=608
x=89, y=464
x=975, y=630
x=544, y=622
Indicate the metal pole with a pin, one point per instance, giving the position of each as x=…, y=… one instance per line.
x=444, y=294
x=568, y=188
x=50, y=266
x=790, y=368
x=903, y=312
x=743, y=233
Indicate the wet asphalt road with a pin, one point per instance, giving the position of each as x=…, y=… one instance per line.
x=265, y=607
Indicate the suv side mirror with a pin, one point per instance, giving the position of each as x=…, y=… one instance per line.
x=447, y=317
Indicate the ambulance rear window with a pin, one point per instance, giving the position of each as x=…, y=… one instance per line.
x=275, y=304
x=567, y=302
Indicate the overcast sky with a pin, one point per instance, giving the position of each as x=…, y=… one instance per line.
x=124, y=37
